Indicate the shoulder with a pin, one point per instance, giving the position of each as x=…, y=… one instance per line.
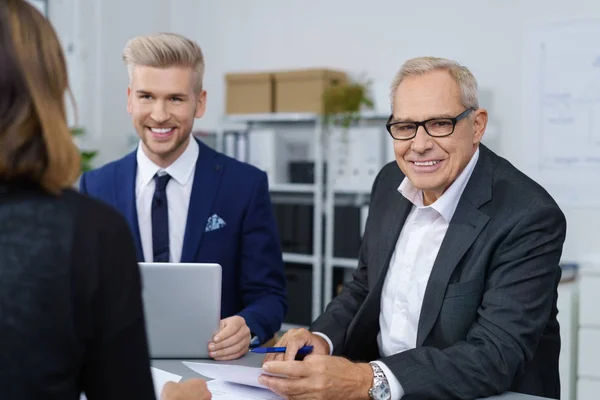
x=388, y=179
x=99, y=178
x=234, y=169
x=238, y=168
x=511, y=185
x=94, y=216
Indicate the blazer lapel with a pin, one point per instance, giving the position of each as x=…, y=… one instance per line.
x=204, y=190
x=391, y=225
x=466, y=225
x=366, y=323
x=125, y=175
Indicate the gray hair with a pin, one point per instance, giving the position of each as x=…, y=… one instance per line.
x=422, y=65
x=163, y=50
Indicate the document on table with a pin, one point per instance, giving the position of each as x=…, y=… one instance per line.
x=229, y=373
x=232, y=391
x=159, y=377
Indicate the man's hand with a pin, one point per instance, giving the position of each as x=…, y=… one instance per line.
x=193, y=389
x=232, y=341
x=294, y=339
x=319, y=377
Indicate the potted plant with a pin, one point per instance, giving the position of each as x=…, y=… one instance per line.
x=86, y=156
x=344, y=102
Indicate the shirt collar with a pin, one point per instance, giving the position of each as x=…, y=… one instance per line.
x=447, y=203
x=181, y=170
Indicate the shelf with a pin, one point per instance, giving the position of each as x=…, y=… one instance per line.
x=374, y=115
x=271, y=118
x=292, y=117
x=298, y=258
x=345, y=262
x=293, y=187
x=364, y=191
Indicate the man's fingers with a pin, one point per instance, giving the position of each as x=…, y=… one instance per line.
x=229, y=329
x=242, y=335
x=239, y=346
x=281, y=386
x=232, y=353
x=289, y=369
x=282, y=342
x=298, y=339
x=273, y=357
x=291, y=351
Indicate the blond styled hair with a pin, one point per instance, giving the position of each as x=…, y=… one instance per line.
x=162, y=50
x=422, y=65
x=36, y=144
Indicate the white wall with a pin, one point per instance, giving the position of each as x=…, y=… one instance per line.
x=373, y=37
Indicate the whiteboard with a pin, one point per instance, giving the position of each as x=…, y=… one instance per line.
x=561, y=113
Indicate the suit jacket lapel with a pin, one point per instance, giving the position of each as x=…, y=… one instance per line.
x=366, y=323
x=467, y=223
x=391, y=225
x=125, y=175
x=204, y=190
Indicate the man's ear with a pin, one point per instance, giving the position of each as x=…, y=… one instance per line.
x=480, y=120
x=129, y=105
x=201, y=104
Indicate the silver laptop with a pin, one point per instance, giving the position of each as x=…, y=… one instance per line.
x=182, y=305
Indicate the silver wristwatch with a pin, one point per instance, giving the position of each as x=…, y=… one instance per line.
x=381, y=388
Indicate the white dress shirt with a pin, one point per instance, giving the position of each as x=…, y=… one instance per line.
x=179, y=190
x=410, y=268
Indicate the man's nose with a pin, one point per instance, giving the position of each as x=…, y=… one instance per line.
x=159, y=112
x=422, y=141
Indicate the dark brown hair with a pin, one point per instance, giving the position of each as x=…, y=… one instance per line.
x=36, y=144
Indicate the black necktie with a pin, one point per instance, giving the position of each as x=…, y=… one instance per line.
x=160, y=220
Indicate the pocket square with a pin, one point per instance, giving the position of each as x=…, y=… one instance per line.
x=214, y=222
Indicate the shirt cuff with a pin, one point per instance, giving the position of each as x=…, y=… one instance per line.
x=324, y=336
x=396, y=390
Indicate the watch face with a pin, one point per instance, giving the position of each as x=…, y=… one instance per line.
x=379, y=392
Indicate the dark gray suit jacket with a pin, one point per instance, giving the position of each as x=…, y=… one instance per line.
x=488, y=322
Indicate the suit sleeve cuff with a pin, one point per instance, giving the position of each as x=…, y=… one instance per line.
x=396, y=390
x=324, y=336
x=255, y=329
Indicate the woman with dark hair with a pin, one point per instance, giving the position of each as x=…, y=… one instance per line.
x=71, y=314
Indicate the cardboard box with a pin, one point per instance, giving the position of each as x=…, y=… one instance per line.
x=302, y=90
x=249, y=93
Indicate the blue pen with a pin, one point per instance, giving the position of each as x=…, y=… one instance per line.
x=264, y=350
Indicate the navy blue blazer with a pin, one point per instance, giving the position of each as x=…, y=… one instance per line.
x=247, y=247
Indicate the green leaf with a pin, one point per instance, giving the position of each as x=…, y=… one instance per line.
x=344, y=102
x=86, y=155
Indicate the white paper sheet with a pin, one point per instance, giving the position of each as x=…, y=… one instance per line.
x=230, y=373
x=160, y=378
x=231, y=391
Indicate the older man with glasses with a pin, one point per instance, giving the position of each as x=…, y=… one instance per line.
x=455, y=291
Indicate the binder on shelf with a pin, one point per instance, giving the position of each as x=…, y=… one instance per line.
x=299, y=293
x=347, y=235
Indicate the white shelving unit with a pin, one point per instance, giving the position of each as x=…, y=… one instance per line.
x=323, y=194
x=334, y=191
x=250, y=122
x=293, y=188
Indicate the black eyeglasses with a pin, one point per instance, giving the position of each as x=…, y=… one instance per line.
x=435, y=127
